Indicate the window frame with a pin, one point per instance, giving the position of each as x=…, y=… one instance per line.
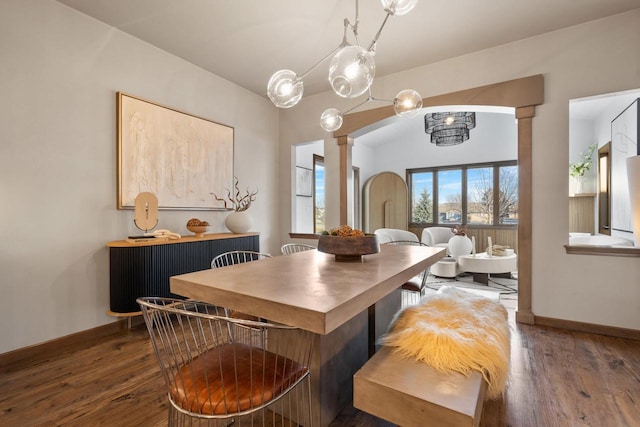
x=464, y=202
x=317, y=160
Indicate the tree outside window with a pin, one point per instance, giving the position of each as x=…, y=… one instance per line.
x=422, y=185
x=480, y=196
x=508, y=200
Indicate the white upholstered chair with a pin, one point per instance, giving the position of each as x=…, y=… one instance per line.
x=394, y=234
x=437, y=236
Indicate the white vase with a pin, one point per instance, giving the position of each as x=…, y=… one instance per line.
x=238, y=222
x=578, y=184
x=460, y=245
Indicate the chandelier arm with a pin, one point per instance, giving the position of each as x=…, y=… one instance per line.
x=347, y=24
x=381, y=100
x=324, y=58
x=373, y=98
x=354, y=30
x=369, y=95
x=354, y=27
x=375, y=39
x=369, y=99
x=356, y=106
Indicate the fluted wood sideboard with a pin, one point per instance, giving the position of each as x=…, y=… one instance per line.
x=143, y=269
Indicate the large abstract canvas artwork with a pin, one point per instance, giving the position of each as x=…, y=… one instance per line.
x=180, y=158
x=624, y=144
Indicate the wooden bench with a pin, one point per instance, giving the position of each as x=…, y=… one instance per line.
x=411, y=393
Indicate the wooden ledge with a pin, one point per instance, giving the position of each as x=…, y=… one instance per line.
x=619, y=251
x=184, y=239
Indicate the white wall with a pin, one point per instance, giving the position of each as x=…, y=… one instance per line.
x=363, y=157
x=59, y=76
x=585, y=60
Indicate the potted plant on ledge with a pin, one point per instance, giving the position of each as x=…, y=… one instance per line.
x=578, y=170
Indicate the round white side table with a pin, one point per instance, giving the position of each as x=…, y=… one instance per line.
x=481, y=265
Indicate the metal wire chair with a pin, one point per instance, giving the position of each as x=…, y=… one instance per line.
x=413, y=289
x=291, y=248
x=236, y=257
x=219, y=369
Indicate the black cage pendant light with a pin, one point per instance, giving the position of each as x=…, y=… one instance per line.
x=450, y=128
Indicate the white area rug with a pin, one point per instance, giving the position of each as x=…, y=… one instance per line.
x=496, y=289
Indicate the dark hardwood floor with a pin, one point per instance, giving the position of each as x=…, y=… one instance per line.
x=558, y=378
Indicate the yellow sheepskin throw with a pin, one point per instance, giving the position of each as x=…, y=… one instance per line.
x=456, y=330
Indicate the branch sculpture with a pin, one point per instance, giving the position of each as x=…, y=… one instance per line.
x=238, y=202
x=459, y=230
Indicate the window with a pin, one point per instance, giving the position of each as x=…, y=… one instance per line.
x=508, y=195
x=480, y=196
x=422, y=193
x=465, y=194
x=356, y=198
x=318, y=194
x=449, y=196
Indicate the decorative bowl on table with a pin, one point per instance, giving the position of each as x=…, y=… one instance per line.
x=198, y=227
x=347, y=248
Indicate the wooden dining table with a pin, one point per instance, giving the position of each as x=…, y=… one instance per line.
x=346, y=304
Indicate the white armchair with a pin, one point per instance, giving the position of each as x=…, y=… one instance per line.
x=386, y=235
x=437, y=236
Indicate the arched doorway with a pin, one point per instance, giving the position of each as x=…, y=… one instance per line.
x=523, y=95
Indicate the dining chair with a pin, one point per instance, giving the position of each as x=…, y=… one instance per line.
x=291, y=248
x=414, y=288
x=220, y=370
x=236, y=257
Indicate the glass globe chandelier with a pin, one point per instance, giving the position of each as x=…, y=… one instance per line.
x=351, y=73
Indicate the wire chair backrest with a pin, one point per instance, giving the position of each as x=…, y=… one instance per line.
x=291, y=248
x=218, y=367
x=236, y=257
x=423, y=276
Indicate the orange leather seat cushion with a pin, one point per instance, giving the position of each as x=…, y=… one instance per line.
x=412, y=285
x=232, y=378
